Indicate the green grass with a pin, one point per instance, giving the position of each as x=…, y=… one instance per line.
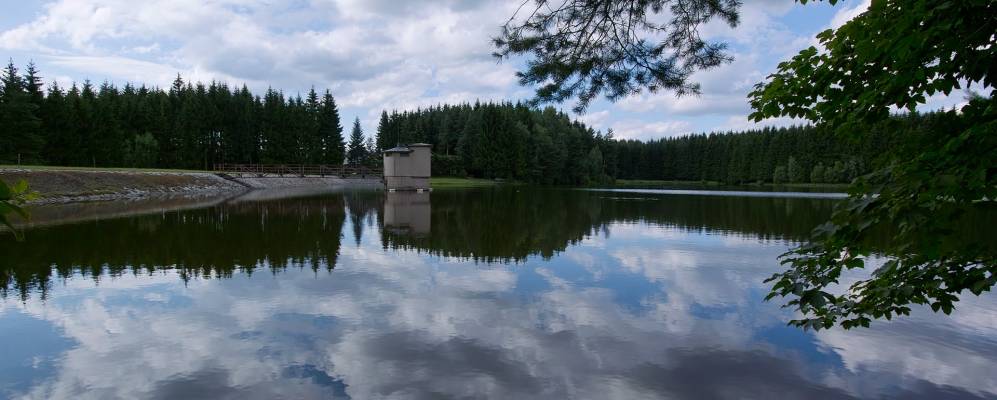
x=842, y=186
x=649, y=182
x=107, y=169
x=653, y=183
x=449, y=182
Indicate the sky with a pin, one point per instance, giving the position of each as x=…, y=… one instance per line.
x=379, y=55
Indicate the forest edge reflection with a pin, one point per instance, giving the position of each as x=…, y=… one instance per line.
x=484, y=225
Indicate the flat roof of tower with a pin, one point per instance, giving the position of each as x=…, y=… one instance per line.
x=399, y=149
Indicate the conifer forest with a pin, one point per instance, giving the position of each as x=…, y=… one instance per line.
x=194, y=125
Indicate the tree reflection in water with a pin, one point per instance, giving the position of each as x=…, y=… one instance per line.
x=501, y=293
x=483, y=225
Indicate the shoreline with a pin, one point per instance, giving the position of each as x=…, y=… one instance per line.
x=62, y=186
x=657, y=184
x=56, y=185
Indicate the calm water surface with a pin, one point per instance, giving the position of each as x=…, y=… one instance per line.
x=498, y=293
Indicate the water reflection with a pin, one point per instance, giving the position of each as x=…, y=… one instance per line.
x=407, y=213
x=487, y=225
x=584, y=295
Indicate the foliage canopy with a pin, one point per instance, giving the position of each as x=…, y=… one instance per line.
x=892, y=56
x=12, y=198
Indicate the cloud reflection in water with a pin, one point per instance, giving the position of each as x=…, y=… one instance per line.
x=634, y=309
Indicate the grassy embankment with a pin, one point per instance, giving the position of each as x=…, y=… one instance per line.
x=83, y=183
x=636, y=183
x=451, y=182
x=95, y=169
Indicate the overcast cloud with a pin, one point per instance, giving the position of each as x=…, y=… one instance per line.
x=379, y=54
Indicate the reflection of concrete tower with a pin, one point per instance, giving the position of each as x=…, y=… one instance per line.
x=408, y=167
x=407, y=213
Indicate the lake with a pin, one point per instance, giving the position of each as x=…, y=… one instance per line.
x=509, y=292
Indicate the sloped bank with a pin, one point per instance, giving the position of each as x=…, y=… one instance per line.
x=279, y=182
x=72, y=185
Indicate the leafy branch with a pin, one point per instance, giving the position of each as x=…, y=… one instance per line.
x=583, y=48
x=12, y=199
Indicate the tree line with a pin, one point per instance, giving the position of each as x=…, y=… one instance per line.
x=797, y=154
x=189, y=125
x=501, y=141
x=517, y=142
x=194, y=126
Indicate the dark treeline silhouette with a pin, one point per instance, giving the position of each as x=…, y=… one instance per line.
x=502, y=225
x=494, y=225
x=799, y=154
x=505, y=141
x=511, y=225
x=190, y=125
x=513, y=141
x=203, y=243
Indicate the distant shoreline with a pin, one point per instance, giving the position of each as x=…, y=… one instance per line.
x=650, y=184
x=721, y=192
x=60, y=185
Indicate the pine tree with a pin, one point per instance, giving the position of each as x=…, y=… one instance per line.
x=58, y=127
x=371, y=153
x=108, y=140
x=331, y=132
x=356, y=152
x=33, y=85
x=275, y=143
x=312, y=134
x=382, y=131
x=20, y=136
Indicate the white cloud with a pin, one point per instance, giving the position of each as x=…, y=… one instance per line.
x=378, y=55
x=637, y=129
x=739, y=123
x=374, y=55
x=596, y=119
x=846, y=14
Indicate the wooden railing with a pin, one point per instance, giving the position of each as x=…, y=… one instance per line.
x=284, y=170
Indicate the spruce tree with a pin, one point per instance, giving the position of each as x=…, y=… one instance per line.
x=273, y=128
x=108, y=140
x=356, y=152
x=20, y=136
x=312, y=134
x=57, y=127
x=371, y=153
x=331, y=132
x=33, y=85
x=382, y=132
